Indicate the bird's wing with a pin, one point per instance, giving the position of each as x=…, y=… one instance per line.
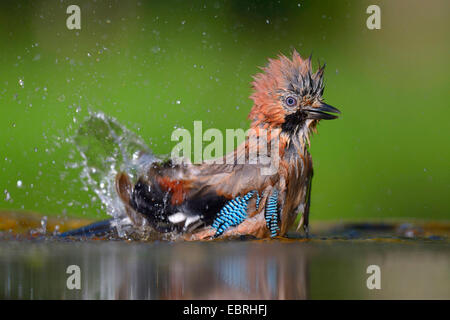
x=182, y=195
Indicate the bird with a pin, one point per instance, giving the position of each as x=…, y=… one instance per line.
x=242, y=195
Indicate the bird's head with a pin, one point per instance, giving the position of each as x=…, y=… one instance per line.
x=288, y=95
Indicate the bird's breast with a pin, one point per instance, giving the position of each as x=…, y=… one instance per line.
x=297, y=177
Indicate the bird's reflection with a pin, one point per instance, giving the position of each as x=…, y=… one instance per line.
x=252, y=273
x=242, y=270
x=221, y=270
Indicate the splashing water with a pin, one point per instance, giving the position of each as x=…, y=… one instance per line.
x=106, y=148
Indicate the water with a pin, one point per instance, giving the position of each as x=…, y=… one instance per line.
x=224, y=270
x=106, y=148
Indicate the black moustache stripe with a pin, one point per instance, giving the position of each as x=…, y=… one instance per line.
x=293, y=121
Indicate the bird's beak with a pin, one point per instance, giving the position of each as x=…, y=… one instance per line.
x=321, y=112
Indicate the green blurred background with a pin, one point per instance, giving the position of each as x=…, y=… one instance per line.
x=159, y=65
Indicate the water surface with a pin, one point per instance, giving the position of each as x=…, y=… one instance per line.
x=285, y=269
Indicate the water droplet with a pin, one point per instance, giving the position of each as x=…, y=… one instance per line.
x=178, y=102
x=21, y=83
x=44, y=224
x=19, y=183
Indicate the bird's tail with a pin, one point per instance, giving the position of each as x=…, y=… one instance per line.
x=96, y=229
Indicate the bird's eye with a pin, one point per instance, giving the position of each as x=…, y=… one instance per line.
x=291, y=101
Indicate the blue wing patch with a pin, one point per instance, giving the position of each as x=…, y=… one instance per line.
x=234, y=212
x=271, y=214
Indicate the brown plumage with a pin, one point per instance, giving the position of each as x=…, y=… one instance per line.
x=186, y=198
